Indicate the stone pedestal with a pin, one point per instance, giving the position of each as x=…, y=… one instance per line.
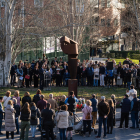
x=72, y=86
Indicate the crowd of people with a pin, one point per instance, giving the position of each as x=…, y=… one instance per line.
x=47, y=114
x=89, y=73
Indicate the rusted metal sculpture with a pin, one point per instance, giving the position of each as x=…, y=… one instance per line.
x=70, y=47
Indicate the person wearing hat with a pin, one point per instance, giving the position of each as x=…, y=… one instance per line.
x=125, y=108
x=103, y=110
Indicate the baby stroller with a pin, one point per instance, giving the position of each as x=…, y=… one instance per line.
x=78, y=126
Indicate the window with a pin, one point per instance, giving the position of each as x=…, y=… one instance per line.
x=38, y=3
x=94, y=20
x=2, y=3
x=102, y=22
x=79, y=6
x=103, y=3
x=116, y=22
x=108, y=3
x=108, y=22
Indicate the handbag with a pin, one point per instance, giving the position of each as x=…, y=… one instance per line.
x=88, y=116
x=27, y=77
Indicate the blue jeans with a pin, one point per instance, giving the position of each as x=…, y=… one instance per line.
x=85, y=123
x=0, y=124
x=134, y=118
x=62, y=133
x=17, y=125
x=40, y=123
x=95, y=83
x=128, y=85
x=33, y=129
x=104, y=121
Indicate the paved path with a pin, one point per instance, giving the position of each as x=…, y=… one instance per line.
x=118, y=134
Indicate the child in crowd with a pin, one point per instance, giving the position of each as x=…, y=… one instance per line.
x=70, y=123
x=17, y=108
x=1, y=114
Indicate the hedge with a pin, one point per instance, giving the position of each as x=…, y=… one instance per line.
x=135, y=56
x=124, y=54
x=106, y=55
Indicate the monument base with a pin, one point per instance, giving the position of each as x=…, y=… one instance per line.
x=72, y=86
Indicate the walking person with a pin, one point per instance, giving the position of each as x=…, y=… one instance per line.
x=110, y=117
x=62, y=120
x=10, y=120
x=103, y=110
x=35, y=114
x=25, y=121
x=87, y=117
x=17, y=109
x=125, y=108
x=134, y=111
x=94, y=109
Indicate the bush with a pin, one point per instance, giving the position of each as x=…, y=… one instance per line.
x=135, y=56
x=106, y=55
x=124, y=54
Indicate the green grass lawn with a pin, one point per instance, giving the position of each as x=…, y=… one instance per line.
x=121, y=60
x=85, y=92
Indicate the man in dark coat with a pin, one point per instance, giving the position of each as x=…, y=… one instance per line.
x=41, y=73
x=42, y=104
x=134, y=111
x=48, y=121
x=125, y=108
x=71, y=102
x=13, y=72
x=103, y=110
x=89, y=72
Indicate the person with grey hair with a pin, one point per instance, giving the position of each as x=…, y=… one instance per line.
x=17, y=109
x=53, y=102
x=103, y=110
x=134, y=111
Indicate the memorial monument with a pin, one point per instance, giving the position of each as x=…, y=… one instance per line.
x=70, y=47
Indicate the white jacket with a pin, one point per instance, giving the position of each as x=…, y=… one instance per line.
x=62, y=119
x=96, y=72
x=5, y=100
x=130, y=94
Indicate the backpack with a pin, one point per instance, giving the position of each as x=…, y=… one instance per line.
x=34, y=114
x=88, y=115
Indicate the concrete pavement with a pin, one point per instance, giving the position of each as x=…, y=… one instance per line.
x=118, y=134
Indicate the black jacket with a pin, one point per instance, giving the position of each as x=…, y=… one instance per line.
x=17, y=108
x=83, y=73
x=36, y=98
x=102, y=70
x=128, y=75
x=61, y=103
x=26, y=99
x=103, y=109
x=36, y=112
x=110, y=115
x=48, y=116
x=25, y=116
x=125, y=105
x=71, y=102
x=135, y=105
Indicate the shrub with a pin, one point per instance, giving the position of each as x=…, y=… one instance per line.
x=135, y=56
x=110, y=55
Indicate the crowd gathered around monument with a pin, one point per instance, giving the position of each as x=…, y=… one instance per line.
x=58, y=120
x=43, y=73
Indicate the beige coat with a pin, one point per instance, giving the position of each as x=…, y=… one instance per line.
x=53, y=103
x=62, y=119
x=10, y=119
